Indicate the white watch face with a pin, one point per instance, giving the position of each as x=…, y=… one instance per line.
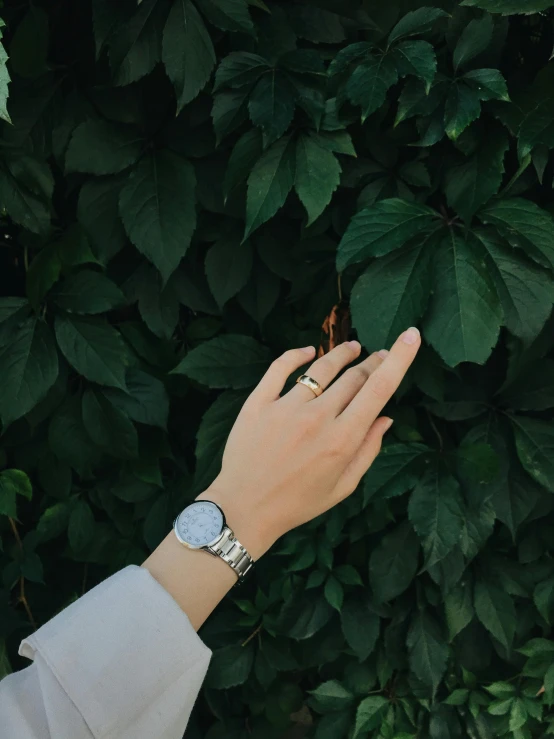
x=200, y=523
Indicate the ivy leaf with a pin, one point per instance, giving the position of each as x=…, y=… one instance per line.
x=462, y=107
x=136, y=47
x=428, y=652
x=437, y=513
x=394, y=471
x=510, y=7
x=382, y=228
x=525, y=289
x=269, y=183
x=416, y=23
x=495, y=609
x=369, y=83
x=458, y=607
x=228, y=267
x=470, y=185
x=108, y=427
x=145, y=399
x=230, y=666
x=489, y=84
x=26, y=186
x=259, y=296
x=188, y=53
x=229, y=111
x=334, y=593
x=89, y=292
x=13, y=483
x=524, y=225
x=475, y=39
x=393, y=564
x=271, y=104
x=68, y=439
x=464, y=317
x=535, y=444
x=231, y=15
x=98, y=213
x=368, y=712
x=239, y=69
x=102, y=148
x=360, y=626
x=246, y=152
x=331, y=696
x=416, y=58
x=157, y=208
x=397, y=286
x=81, y=526
x=230, y=361
x=28, y=367
x=543, y=597
x=317, y=175
x=93, y=348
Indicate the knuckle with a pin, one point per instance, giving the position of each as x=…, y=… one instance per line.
x=357, y=373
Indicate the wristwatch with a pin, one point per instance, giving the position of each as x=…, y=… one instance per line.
x=202, y=525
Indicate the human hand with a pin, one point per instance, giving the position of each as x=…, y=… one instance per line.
x=290, y=458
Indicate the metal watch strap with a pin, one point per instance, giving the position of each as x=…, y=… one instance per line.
x=231, y=550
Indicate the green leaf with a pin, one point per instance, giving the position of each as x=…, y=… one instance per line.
x=135, y=48
x=93, y=348
x=510, y=7
x=261, y=292
x=4, y=82
x=397, y=286
x=157, y=208
x=437, y=514
x=188, y=53
x=428, y=651
x=369, y=711
x=317, y=175
x=230, y=361
x=382, y=228
x=495, y=609
x=231, y=15
x=334, y=593
x=470, y=185
x=525, y=226
x=416, y=23
x=12, y=483
x=230, y=666
x=360, y=626
x=228, y=267
x=464, y=317
x=394, y=471
x=369, y=83
x=270, y=182
x=26, y=186
x=271, y=104
x=28, y=368
x=535, y=447
x=475, y=39
x=525, y=289
x=462, y=107
x=394, y=563
x=239, y=69
x=108, y=427
x=543, y=598
x=88, y=291
x=331, y=696
x=488, y=84
x=81, y=526
x=10, y=307
x=98, y=213
x=54, y=521
x=458, y=607
x=246, y=152
x=533, y=389
x=145, y=399
x=158, y=305
x=418, y=59
x=102, y=148
x=229, y=111
x=69, y=440
x=29, y=44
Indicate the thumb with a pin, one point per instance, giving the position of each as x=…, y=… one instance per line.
x=364, y=457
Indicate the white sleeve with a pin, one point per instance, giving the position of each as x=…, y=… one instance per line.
x=122, y=662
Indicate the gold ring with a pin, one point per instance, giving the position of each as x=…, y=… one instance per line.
x=314, y=385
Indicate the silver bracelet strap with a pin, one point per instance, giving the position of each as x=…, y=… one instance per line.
x=231, y=550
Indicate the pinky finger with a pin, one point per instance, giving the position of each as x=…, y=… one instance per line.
x=273, y=382
x=364, y=457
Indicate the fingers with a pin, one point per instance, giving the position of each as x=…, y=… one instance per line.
x=359, y=415
x=271, y=385
x=324, y=370
x=341, y=392
x=364, y=457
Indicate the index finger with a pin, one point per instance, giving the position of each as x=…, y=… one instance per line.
x=381, y=385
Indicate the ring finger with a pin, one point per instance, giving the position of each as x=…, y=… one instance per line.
x=324, y=370
x=340, y=394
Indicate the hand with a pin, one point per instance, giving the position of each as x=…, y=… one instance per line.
x=290, y=458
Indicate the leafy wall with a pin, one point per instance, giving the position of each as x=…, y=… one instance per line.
x=188, y=188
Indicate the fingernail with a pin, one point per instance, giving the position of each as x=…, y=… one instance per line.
x=388, y=424
x=307, y=349
x=411, y=335
x=355, y=345
x=382, y=353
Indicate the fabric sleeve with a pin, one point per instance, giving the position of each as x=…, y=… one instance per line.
x=122, y=662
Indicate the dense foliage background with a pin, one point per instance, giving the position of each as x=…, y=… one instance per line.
x=189, y=187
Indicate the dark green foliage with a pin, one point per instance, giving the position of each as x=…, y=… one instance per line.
x=180, y=184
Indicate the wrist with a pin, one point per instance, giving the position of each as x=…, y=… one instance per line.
x=250, y=529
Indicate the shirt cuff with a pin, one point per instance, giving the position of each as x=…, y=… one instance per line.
x=127, y=656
